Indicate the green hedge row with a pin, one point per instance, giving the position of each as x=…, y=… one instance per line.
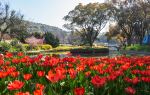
x=38, y=47
x=89, y=50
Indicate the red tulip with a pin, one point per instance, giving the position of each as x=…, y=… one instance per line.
x=8, y=55
x=133, y=81
x=1, y=62
x=72, y=73
x=146, y=79
x=38, y=92
x=98, y=81
x=15, y=60
x=20, y=54
x=40, y=86
x=15, y=85
x=40, y=73
x=14, y=74
x=130, y=90
x=7, y=63
x=79, y=91
x=3, y=74
x=27, y=76
x=87, y=74
x=52, y=77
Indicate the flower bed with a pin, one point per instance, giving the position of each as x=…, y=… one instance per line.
x=90, y=51
x=23, y=75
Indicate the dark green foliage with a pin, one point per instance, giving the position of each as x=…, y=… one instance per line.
x=16, y=46
x=51, y=39
x=13, y=46
x=37, y=35
x=22, y=36
x=4, y=47
x=89, y=50
x=14, y=42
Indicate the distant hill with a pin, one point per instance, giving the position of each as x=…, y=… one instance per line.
x=38, y=27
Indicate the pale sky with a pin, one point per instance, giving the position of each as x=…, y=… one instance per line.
x=48, y=12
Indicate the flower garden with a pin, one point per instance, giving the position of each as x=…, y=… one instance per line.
x=46, y=75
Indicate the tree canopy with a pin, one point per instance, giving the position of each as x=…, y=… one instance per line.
x=133, y=19
x=51, y=39
x=11, y=22
x=88, y=20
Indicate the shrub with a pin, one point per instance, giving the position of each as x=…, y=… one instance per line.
x=51, y=39
x=32, y=41
x=17, y=48
x=14, y=46
x=89, y=50
x=38, y=47
x=14, y=42
x=46, y=47
x=4, y=46
x=26, y=46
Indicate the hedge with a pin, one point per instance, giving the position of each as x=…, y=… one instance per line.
x=38, y=47
x=89, y=50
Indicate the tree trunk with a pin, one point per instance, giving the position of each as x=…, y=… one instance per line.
x=129, y=41
x=141, y=39
x=91, y=43
x=1, y=37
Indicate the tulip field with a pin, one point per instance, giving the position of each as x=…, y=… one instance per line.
x=46, y=75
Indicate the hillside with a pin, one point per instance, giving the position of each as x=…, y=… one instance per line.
x=38, y=27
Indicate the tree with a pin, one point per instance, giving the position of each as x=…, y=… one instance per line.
x=19, y=31
x=131, y=17
x=74, y=39
x=124, y=17
x=116, y=33
x=37, y=35
x=88, y=20
x=34, y=41
x=51, y=39
x=143, y=19
x=9, y=20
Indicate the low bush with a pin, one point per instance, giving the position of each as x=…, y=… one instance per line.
x=26, y=46
x=89, y=50
x=38, y=47
x=4, y=47
x=46, y=47
x=65, y=48
x=14, y=42
x=16, y=46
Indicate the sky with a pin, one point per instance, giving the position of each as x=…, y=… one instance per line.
x=50, y=12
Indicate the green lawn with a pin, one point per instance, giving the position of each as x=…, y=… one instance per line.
x=138, y=47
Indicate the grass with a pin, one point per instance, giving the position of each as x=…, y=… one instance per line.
x=138, y=47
